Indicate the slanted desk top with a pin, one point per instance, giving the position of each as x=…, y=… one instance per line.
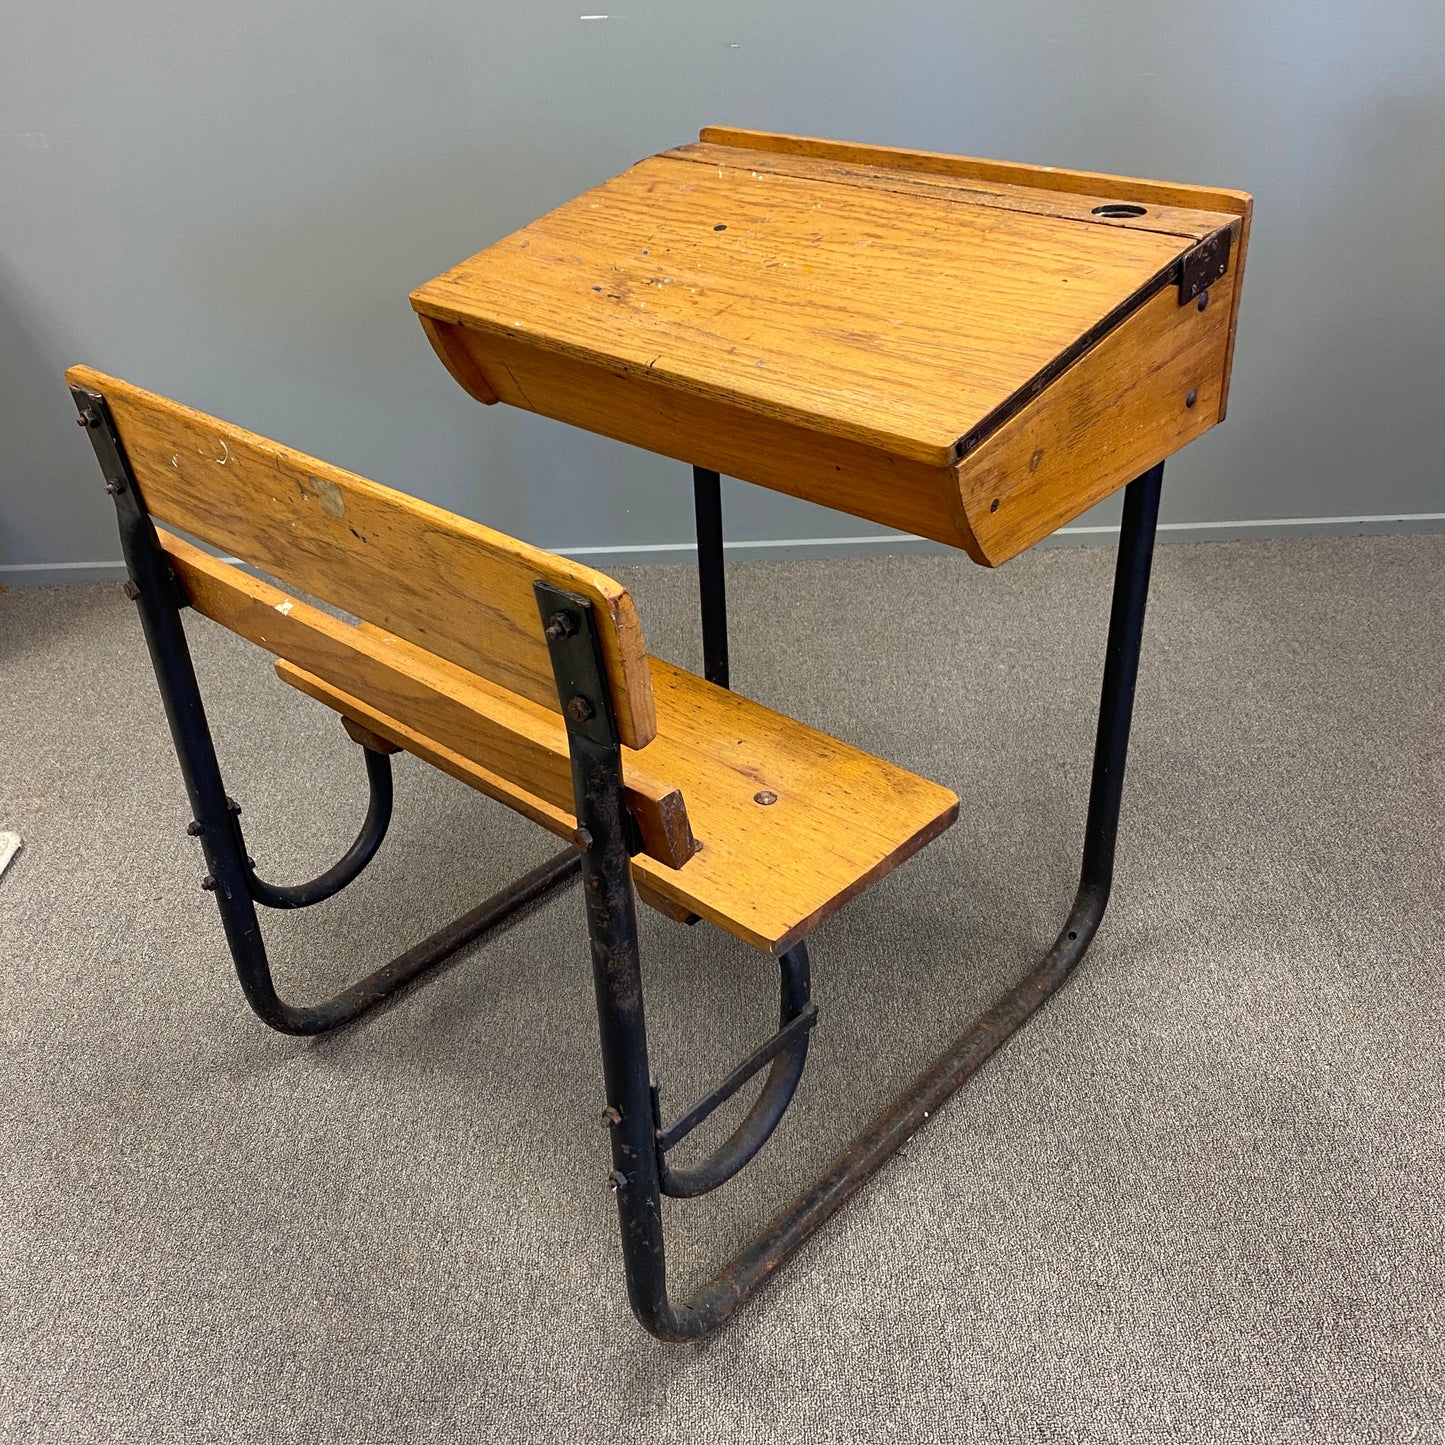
x=973, y=351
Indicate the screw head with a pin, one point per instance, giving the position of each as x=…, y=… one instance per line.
x=114, y=488
x=579, y=710
x=195, y=828
x=1191, y=397
x=1203, y=300
x=766, y=798
x=209, y=883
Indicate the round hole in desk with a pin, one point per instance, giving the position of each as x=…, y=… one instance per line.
x=1119, y=211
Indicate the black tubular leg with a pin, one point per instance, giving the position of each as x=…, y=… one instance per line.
x=618, y=979
x=350, y=864
x=707, y=501
x=155, y=591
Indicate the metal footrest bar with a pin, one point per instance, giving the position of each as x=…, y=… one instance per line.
x=763, y=1054
x=786, y=1050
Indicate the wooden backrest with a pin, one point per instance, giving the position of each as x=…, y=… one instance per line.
x=449, y=585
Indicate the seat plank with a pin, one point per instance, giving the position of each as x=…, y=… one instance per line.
x=766, y=873
x=452, y=586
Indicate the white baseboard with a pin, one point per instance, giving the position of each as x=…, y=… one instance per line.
x=902, y=542
x=43, y=574
x=56, y=574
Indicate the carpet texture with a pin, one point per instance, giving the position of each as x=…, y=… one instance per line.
x=1201, y=1197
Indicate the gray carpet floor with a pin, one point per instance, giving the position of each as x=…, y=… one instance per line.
x=1199, y=1198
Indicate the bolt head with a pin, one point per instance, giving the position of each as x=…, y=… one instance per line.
x=195, y=828
x=89, y=417
x=582, y=838
x=580, y=710
x=209, y=883
x=616, y=1180
x=1191, y=397
x=559, y=625
x=130, y=589
x=610, y=1117
x=114, y=488
x=1203, y=300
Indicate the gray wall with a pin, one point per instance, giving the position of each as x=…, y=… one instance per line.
x=230, y=204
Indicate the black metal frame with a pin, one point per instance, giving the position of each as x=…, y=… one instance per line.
x=639, y=1170
x=641, y=1173
x=712, y=593
x=216, y=818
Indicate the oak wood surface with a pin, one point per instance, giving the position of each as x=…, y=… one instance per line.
x=454, y=587
x=766, y=873
x=1112, y=415
x=1057, y=178
x=959, y=187
x=501, y=731
x=845, y=322
x=832, y=306
x=706, y=432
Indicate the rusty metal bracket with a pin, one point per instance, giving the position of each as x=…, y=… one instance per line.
x=1204, y=264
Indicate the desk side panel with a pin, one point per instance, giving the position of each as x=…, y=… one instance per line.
x=1122, y=407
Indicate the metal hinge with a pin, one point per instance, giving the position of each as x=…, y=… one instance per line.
x=1204, y=264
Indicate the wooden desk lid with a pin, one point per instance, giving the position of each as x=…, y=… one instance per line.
x=973, y=351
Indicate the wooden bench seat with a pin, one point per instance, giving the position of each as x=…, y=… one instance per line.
x=742, y=816
x=767, y=873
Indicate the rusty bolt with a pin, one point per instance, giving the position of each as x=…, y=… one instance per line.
x=1203, y=300
x=89, y=417
x=209, y=883
x=579, y=710
x=195, y=828
x=582, y=838
x=1191, y=397
x=766, y=798
x=559, y=625
x=616, y=1180
x=611, y=1117
x=130, y=589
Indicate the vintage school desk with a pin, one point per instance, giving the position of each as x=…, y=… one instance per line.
x=971, y=351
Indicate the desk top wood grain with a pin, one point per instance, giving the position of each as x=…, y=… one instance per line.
x=860, y=326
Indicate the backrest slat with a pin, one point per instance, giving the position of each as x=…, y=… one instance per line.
x=447, y=584
x=519, y=741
